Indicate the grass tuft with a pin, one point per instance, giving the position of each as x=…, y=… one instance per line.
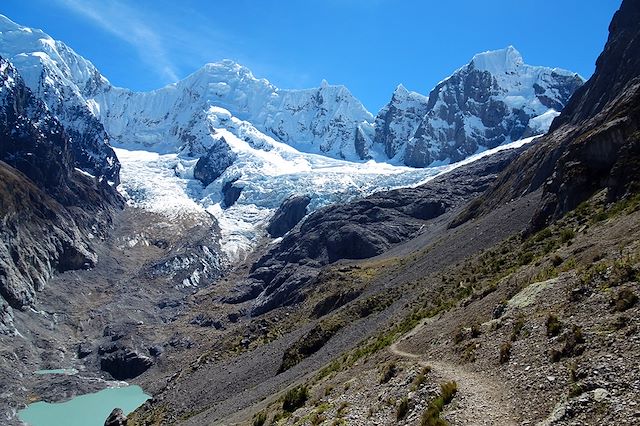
x=295, y=398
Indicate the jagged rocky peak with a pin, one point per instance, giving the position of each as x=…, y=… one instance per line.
x=593, y=146
x=397, y=121
x=495, y=99
x=39, y=57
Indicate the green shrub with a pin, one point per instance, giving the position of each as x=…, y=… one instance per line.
x=542, y=235
x=342, y=410
x=525, y=258
x=622, y=271
x=505, y=352
x=259, y=419
x=576, y=389
x=469, y=353
x=518, y=325
x=448, y=391
x=295, y=398
x=388, y=372
x=431, y=416
x=567, y=235
x=556, y=260
x=572, y=344
x=554, y=326
x=475, y=330
x=624, y=299
x=403, y=409
x=317, y=419
x=420, y=378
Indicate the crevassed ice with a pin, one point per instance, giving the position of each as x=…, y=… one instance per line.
x=163, y=183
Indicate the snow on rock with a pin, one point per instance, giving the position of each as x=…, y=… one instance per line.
x=61, y=79
x=397, y=122
x=493, y=100
x=540, y=124
x=322, y=120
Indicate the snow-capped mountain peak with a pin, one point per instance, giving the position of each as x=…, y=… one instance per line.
x=493, y=100
x=61, y=79
x=31, y=50
x=498, y=61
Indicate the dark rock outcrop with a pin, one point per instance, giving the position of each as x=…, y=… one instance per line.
x=230, y=193
x=288, y=215
x=594, y=144
x=244, y=290
x=84, y=350
x=203, y=320
x=214, y=163
x=116, y=418
x=124, y=363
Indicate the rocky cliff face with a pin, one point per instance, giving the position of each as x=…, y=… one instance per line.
x=595, y=143
x=211, y=166
x=397, y=121
x=493, y=100
x=50, y=207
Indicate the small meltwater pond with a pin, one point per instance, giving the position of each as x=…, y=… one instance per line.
x=66, y=371
x=84, y=410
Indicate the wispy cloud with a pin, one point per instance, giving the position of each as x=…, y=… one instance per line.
x=126, y=23
x=175, y=44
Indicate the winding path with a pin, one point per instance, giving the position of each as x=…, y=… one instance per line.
x=480, y=400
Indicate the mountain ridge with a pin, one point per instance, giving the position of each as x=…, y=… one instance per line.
x=326, y=120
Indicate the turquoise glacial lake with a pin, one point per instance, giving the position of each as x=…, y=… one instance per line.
x=85, y=410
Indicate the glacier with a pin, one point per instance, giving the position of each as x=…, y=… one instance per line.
x=163, y=183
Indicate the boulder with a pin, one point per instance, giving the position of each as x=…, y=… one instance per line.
x=116, y=418
x=84, y=349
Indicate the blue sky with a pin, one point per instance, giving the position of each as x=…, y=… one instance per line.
x=368, y=45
